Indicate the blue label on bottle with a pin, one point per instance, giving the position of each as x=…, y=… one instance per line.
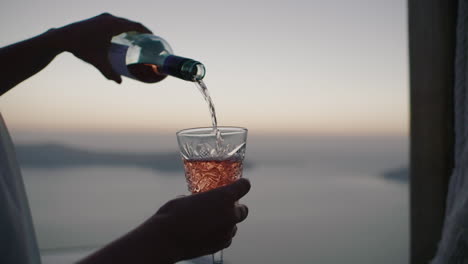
x=117, y=58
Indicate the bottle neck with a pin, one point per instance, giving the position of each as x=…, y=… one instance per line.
x=183, y=68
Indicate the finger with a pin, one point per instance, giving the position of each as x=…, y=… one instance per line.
x=228, y=244
x=126, y=25
x=111, y=75
x=226, y=195
x=234, y=231
x=141, y=28
x=229, y=240
x=222, y=239
x=229, y=217
x=120, y=25
x=240, y=211
x=104, y=66
x=232, y=192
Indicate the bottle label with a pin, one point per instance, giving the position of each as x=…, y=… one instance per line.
x=117, y=58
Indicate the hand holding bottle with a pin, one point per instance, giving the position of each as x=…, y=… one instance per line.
x=94, y=41
x=90, y=40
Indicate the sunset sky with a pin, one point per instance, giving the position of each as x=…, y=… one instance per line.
x=306, y=67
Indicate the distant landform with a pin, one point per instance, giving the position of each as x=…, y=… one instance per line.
x=400, y=175
x=59, y=156
x=53, y=155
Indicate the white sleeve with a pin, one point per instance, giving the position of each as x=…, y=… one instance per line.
x=17, y=240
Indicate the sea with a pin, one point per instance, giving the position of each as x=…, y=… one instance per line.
x=327, y=199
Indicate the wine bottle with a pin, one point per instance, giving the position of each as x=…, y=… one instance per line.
x=149, y=58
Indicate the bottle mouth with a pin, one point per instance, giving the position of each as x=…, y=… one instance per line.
x=193, y=70
x=183, y=68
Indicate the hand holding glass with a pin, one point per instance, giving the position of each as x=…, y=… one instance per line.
x=212, y=158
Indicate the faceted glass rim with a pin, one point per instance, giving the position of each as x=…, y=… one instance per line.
x=209, y=131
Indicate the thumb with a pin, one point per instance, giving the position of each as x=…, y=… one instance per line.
x=233, y=192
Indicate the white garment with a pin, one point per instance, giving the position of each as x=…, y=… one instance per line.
x=18, y=243
x=453, y=247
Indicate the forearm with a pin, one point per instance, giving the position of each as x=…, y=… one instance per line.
x=145, y=244
x=21, y=60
